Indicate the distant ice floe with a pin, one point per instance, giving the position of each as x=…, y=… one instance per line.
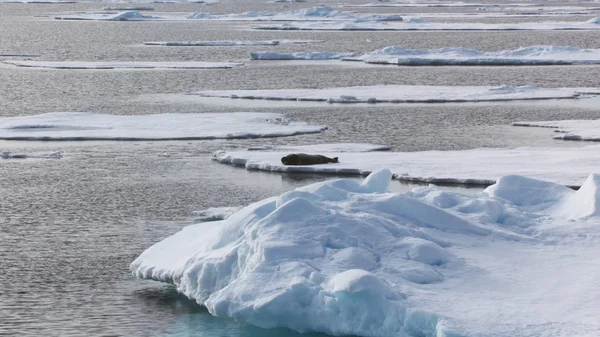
x=533, y=55
x=592, y=24
x=344, y=257
x=307, y=14
x=18, y=55
x=444, y=4
x=229, y=43
x=37, y=2
x=588, y=130
x=399, y=94
x=329, y=147
x=477, y=166
x=91, y=126
x=128, y=8
x=23, y=155
x=121, y=65
x=266, y=55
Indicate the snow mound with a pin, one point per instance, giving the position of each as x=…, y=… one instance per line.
x=265, y=55
x=90, y=126
x=398, y=94
x=533, y=55
x=349, y=258
x=22, y=155
x=586, y=130
x=585, y=202
x=121, y=65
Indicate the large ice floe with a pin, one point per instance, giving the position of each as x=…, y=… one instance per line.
x=533, y=55
x=228, y=43
x=267, y=55
x=349, y=258
x=588, y=130
x=307, y=14
x=329, y=147
x=401, y=94
x=92, y=126
x=567, y=166
x=24, y=155
x=419, y=24
x=123, y=65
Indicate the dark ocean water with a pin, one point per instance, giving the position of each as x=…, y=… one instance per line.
x=70, y=227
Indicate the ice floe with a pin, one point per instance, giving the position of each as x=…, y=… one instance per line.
x=228, y=43
x=567, y=166
x=308, y=14
x=330, y=147
x=533, y=55
x=267, y=55
x=588, y=130
x=121, y=65
x=438, y=4
x=128, y=8
x=23, y=155
x=400, y=94
x=92, y=126
x=18, y=55
x=349, y=258
x=418, y=25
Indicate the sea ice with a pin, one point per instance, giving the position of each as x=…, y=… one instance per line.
x=400, y=94
x=266, y=55
x=349, y=258
x=570, y=129
x=22, y=155
x=229, y=43
x=91, y=126
x=533, y=55
x=568, y=166
x=412, y=25
x=330, y=147
x=121, y=65
x=19, y=55
x=129, y=8
x=121, y=16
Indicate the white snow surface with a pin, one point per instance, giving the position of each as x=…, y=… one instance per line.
x=268, y=55
x=532, y=55
x=121, y=65
x=92, y=126
x=588, y=130
x=350, y=258
x=329, y=147
x=370, y=25
x=400, y=94
x=567, y=166
x=23, y=155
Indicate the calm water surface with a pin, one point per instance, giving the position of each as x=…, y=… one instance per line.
x=69, y=228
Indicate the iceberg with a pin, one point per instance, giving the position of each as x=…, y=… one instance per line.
x=401, y=94
x=533, y=55
x=121, y=65
x=480, y=166
x=588, y=130
x=266, y=55
x=92, y=126
x=349, y=258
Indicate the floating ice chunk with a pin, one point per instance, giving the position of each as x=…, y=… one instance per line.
x=332, y=147
x=299, y=56
x=398, y=94
x=122, y=16
x=121, y=65
x=533, y=55
x=215, y=213
x=339, y=257
x=22, y=155
x=477, y=166
x=90, y=126
x=588, y=130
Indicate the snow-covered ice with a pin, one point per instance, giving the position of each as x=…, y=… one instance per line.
x=228, y=43
x=400, y=94
x=588, y=130
x=567, y=166
x=350, y=258
x=121, y=16
x=92, y=126
x=267, y=55
x=367, y=25
x=23, y=155
x=533, y=55
x=122, y=64
x=329, y=147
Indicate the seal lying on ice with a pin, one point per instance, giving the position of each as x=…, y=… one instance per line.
x=307, y=159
